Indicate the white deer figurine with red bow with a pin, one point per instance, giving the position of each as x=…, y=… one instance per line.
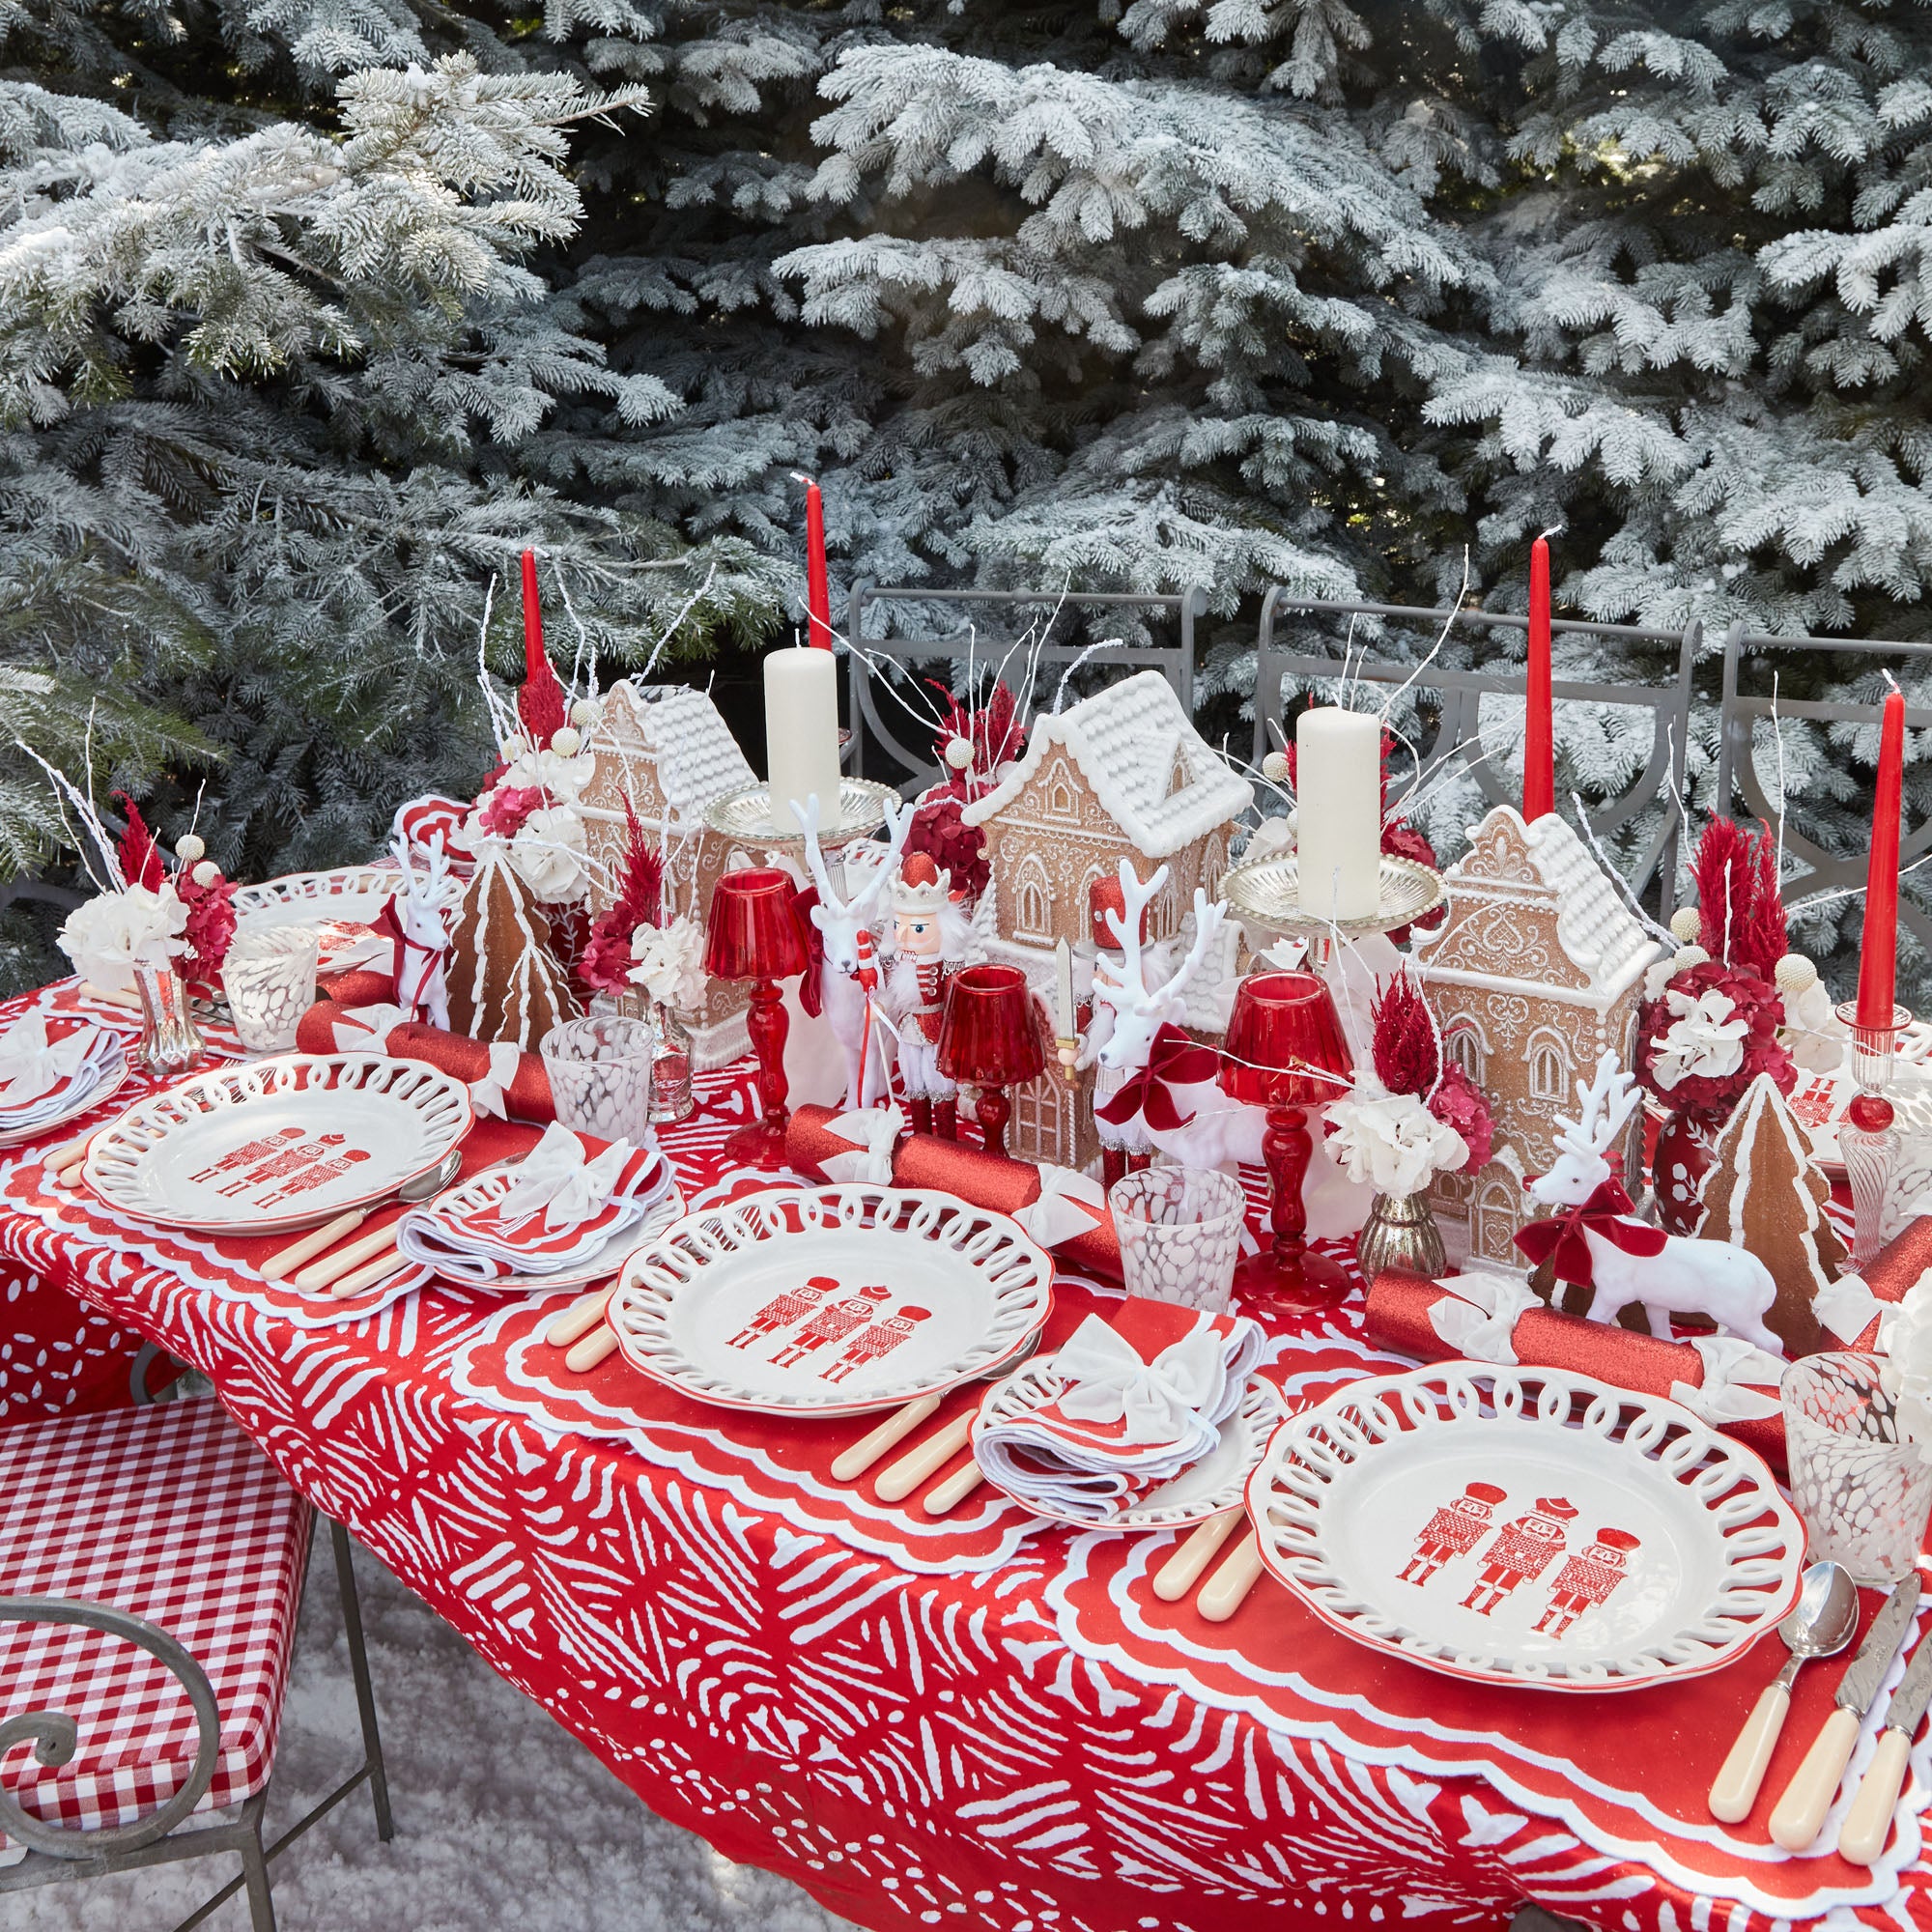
x=840, y=990
x=1595, y=1239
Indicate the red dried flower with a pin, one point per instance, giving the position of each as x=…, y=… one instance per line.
x=1457, y=1102
x=139, y=856
x=606, y=964
x=994, y=732
x=938, y=829
x=1406, y=1055
x=1753, y=1000
x=502, y=813
x=211, y=924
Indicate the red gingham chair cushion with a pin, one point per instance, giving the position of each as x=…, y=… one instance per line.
x=171, y=1513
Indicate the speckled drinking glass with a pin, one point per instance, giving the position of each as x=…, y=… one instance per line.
x=1181, y=1234
x=600, y=1076
x=1864, y=1495
x=268, y=978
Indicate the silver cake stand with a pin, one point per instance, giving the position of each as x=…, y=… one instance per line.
x=1267, y=893
x=745, y=817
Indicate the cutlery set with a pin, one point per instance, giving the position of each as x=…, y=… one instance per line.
x=1822, y=1625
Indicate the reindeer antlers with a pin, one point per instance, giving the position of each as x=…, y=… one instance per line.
x=899, y=828
x=1606, y=1104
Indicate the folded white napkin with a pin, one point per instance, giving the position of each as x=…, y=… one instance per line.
x=31, y=1064
x=563, y=1183
x=1136, y=1400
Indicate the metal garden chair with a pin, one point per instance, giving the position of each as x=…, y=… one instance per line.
x=151, y=1575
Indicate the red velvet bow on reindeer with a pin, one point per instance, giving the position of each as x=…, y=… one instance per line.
x=1173, y=1060
x=1603, y=1215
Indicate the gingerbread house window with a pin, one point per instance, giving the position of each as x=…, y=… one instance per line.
x=1036, y=1114
x=1466, y=1048
x=1548, y=1067
x=1061, y=802
x=1032, y=903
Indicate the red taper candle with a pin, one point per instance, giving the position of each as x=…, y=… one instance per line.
x=533, y=649
x=1539, y=742
x=817, y=581
x=1878, y=954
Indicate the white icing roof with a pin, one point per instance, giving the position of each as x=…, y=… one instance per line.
x=1595, y=928
x=697, y=758
x=1126, y=740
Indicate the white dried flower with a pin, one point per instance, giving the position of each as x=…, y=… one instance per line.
x=670, y=962
x=1393, y=1141
x=548, y=855
x=108, y=936
x=189, y=847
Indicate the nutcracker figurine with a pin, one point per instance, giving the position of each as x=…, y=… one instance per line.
x=1453, y=1530
x=1520, y=1553
x=1586, y=1580
x=929, y=936
x=1100, y=968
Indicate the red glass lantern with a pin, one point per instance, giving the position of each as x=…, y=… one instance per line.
x=1285, y=1051
x=987, y=1040
x=751, y=932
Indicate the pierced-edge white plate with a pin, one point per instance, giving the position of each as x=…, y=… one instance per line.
x=1209, y=1487
x=352, y=896
x=830, y=1300
x=277, y=1144
x=1526, y=1527
x=480, y=1189
x=105, y=1088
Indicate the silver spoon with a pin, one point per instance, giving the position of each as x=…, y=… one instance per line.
x=1820, y=1624
x=434, y=1180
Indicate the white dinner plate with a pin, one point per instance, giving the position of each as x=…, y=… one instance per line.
x=277, y=1144
x=340, y=906
x=480, y=1189
x=1210, y=1487
x=1526, y=1527
x=830, y=1300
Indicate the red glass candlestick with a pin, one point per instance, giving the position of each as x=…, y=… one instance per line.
x=987, y=1040
x=1285, y=1051
x=752, y=934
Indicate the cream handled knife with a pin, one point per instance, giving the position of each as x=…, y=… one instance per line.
x=1868, y=1823
x=1815, y=1782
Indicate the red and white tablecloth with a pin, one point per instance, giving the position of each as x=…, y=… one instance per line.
x=979, y=1722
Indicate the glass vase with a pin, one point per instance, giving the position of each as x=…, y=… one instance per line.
x=170, y=1041
x=670, y=1066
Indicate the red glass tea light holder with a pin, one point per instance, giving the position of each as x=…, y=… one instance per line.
x=752, y=934
x=1285, y=1051
x=988, y=1040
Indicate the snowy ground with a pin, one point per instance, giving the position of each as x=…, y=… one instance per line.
x=504, y=1822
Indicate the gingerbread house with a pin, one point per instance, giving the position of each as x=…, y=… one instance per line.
x=667, y=749
x=1534, y=974
x=1120, y=775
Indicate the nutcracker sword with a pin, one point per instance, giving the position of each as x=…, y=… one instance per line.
x=1066, y=1033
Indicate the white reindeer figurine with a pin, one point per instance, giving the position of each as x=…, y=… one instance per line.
x=1128, y=1013
x=842, y=994
x=1622, y=1259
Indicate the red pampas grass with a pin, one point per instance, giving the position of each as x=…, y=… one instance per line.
x=1407, y=1058
x=1740, y=907
x=140, y=857
x=604, y=965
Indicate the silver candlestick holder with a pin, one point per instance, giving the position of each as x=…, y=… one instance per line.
x=746, y=817
x=1266, y=892
x=1866, y=1138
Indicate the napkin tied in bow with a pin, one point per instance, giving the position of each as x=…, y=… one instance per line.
x=562, y=1180
x=32, y=1066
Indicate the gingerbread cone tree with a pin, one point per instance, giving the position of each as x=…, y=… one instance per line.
x=505, y=984
x=1765, y=1193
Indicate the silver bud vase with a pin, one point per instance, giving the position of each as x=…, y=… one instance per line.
x=170, y=1041
x=1400, y=1234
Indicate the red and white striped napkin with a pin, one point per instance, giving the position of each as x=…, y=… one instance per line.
x=570, y=1197
x=1140, y=1400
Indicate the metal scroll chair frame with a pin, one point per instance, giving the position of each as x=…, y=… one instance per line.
x=1737, y=770
x=1174, y=661
x=1462, y=692
x=57, y=1853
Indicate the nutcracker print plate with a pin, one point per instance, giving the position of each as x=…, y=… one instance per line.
x=1210, y=1487
x=279, y=1144
x=341, y=905
x=1525, y=1526
x=830, y=1300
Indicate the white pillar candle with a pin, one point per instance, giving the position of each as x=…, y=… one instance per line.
x=1338, y=801
x=801, y=732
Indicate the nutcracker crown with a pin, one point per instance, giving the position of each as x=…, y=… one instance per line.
x=922, y=888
